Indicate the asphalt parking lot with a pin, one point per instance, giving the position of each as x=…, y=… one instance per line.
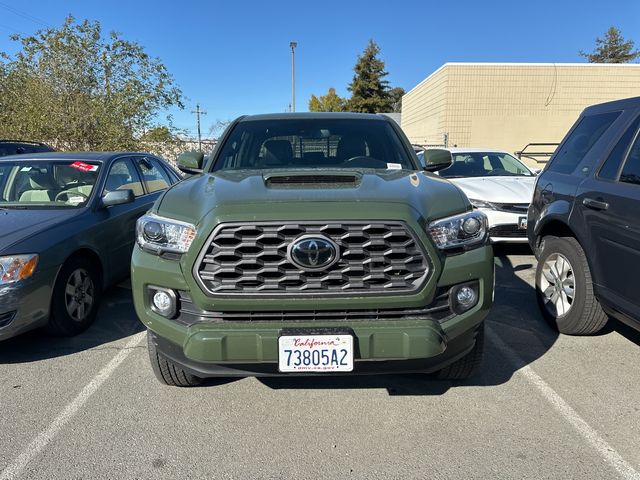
x=544, y=406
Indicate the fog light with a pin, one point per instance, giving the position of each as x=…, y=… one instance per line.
x=163, y=301
x=464, y=297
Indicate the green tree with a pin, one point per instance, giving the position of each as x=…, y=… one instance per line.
x=81, y=90
x=331, y=102
x=369, y=89
x=613, y=48
x=395, y=98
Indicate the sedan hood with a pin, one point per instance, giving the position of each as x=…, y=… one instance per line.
x=20, y=224
x=498, y=189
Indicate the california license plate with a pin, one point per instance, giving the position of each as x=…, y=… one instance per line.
x=315, y=353
x=522, y=223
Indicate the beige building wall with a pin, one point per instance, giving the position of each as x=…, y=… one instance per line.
x=507, y=105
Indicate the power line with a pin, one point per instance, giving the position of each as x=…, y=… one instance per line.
x=24, y=15
x=12, y=30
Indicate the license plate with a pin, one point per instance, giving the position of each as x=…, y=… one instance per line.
x=522, y=223
x=315, y=353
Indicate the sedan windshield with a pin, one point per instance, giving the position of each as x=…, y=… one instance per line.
x=48, y=184
x=485, y=164
x=313, y=143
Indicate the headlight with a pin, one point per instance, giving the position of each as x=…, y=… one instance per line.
x=158, y=234
x=460, y=230
x=17, y=267
x=481, y=204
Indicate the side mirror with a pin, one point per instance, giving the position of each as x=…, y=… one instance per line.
x=191, y=162
x=118, y=197
x=536, y=171
x=437, y=159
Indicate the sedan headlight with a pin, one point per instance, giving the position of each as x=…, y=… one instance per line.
x=17, y=267
x=481, y=204
x=460, y=230
x=157, y=234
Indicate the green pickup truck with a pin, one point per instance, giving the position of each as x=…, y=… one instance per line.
x=312, y=244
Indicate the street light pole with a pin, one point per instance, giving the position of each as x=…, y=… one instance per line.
x=293, y=45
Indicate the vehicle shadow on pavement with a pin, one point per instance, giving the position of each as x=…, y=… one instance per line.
x=514, y=319
x=116, y=320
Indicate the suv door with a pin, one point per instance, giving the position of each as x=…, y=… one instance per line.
x=570, y=165
x=607, y=203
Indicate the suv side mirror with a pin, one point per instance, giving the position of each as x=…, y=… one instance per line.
x=118, y=197
x=190, y=162
x=437, y=159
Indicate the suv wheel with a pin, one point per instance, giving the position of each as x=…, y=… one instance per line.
x=564, y=288
x=466, y=366
x=168, y=372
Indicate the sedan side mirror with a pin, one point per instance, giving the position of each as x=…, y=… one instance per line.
x=437, y=159
x=118, y=197
x=191, y=162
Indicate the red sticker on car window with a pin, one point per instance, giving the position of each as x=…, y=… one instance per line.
x=85, y=167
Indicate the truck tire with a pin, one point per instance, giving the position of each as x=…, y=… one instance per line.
x=168, y=372
x=564, y=288
x=466, y=366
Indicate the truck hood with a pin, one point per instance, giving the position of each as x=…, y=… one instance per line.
x=498, y=189
x=20, y=224
x=191, y=199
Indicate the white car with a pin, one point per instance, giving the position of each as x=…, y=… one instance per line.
x=496, y=183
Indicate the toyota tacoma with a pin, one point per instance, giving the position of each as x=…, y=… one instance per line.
x=312, y=244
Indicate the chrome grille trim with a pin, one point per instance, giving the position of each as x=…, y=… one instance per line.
x=381, y=257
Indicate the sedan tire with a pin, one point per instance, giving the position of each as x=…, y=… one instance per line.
x=76, y=296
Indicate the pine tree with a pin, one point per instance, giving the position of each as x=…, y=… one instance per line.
x=613, y=48
x=368, y=88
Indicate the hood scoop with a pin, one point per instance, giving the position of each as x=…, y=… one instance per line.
x=312, y=180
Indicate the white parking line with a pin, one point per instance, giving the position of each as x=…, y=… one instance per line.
x=612, y=457
x=44, y=438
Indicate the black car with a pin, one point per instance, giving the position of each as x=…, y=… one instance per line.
x=67, y=229
x=584, y=222
x=18, y=147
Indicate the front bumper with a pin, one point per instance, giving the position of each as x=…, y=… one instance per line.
x=24, y=305
x=505, y=226
x=228, y=348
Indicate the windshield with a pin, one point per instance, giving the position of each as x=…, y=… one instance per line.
x=485, y=164
x=313, y=143
x=49, y=184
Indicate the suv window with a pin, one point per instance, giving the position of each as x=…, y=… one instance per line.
x=580, y=141
x=631, y=169
x=611, y=166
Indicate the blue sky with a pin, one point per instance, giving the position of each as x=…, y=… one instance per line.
x=234, y=58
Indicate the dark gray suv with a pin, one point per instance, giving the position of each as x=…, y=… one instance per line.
x=584, y=222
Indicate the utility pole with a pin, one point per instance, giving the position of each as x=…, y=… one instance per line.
x=199, y=112
x=293, y=45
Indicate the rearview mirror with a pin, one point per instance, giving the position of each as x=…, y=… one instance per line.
x=437, y=159
x=190, y=162
x=118, y=197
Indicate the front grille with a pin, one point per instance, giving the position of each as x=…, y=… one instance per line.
x=374, y=258
x=510, y=231
x=439, y=310
x=512, y=207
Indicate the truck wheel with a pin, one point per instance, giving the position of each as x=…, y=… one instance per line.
x=168, y=372
x=75, y=297
x=466, y=366
x=564, y=288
